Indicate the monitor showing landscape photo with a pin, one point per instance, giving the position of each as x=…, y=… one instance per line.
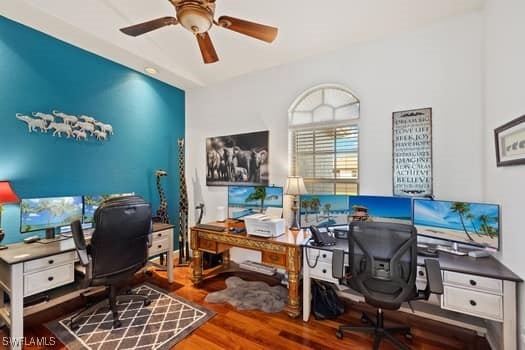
x=380, y=209
x=468, y=223
x=247, y=200
x=42, y=213
x=323, y=210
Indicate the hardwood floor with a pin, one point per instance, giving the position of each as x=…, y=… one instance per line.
x=232, y=329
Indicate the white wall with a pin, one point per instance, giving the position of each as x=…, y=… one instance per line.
x=504, y=101
x=438, y=66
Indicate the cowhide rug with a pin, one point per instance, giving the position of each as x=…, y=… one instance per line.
x=248, y=295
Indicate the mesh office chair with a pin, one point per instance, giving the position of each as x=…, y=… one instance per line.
x=383, y=263
x=118, y=249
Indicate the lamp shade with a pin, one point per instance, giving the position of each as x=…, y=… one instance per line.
x=295, y=186
x=7, y=195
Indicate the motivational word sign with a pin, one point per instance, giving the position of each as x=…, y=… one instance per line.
x=412, y=152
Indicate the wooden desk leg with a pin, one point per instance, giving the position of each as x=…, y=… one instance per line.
x=293, y=309
x=226, y=258
x=197, y=266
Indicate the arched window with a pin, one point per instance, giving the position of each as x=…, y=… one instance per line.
x=324, y=139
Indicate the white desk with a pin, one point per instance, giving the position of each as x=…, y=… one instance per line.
x=483, y=288
x=28, y=269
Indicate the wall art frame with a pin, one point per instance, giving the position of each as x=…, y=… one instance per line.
x=412, y=152
x=509, y=140
x=240, y=159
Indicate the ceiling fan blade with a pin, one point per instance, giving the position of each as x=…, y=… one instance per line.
x=207, y=50
x=255, y=30
x=148, y=26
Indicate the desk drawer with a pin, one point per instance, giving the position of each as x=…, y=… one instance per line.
x=208, y=246
x=323, y=271
x=161, y=234
x=274, y=259
x=159, y=246
x=54, y=260
x=320, y=255
x=48, y=279
x=474, y=303
x=473, y=282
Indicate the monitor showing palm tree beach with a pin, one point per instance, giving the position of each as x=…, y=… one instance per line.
x=41, y=213
x=323, y=210
x=467, y=223
x=247, y=200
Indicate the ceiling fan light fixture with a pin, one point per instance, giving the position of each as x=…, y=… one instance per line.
x=150, y=70
x=195, y=19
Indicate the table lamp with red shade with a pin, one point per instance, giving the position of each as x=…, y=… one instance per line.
x=7, y=196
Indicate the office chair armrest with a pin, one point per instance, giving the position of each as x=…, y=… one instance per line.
x=80, y=242
x=338, y=263
x=434, y=279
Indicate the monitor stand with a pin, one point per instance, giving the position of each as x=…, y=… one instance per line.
x=453, y=249
x=50, y=237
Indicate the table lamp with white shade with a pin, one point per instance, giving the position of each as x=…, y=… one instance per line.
x=295, y=187
x=7, y=195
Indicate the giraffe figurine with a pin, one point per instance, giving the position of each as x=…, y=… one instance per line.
x=162, y=210
x=183, y=208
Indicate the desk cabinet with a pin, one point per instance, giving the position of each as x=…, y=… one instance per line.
x=27, y=269
x=482, y=288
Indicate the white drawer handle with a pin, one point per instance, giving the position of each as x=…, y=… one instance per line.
x=473, y=303
x=421, y=273
x=159, y=235
x=51, y=261
x=324, y=256
x=159, y=246
x=50, y=278
x=472, y=283
x=324, y=270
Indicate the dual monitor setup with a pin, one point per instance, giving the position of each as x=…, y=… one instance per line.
x=57, y=213
x=465, y=223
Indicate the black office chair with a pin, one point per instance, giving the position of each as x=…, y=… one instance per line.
x=118, y=249
x=383, y=263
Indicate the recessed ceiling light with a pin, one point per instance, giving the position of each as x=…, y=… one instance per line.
x=150, y=70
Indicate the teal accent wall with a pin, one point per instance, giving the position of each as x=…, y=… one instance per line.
x=39, y=73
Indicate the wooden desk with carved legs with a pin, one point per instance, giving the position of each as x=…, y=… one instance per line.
x=282, y=252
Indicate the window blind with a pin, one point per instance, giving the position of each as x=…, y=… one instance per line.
x=327, y=159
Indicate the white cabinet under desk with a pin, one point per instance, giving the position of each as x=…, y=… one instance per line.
x=28, y=269
x=481, y=289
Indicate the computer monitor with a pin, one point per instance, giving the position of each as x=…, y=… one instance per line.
x=247, y=200
x=475, y=224
x=323, y=210
x=380, y=209
x=91, y=203
x=38, y=214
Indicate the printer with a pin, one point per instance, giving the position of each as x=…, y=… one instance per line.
x=264, y=226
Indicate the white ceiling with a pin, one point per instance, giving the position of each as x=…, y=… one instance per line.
x=306, y=28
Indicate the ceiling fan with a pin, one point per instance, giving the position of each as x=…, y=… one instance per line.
x=197, y=17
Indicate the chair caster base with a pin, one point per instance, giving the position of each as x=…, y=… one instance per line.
x=339, y=335
x=117, y=324
x=147, y=302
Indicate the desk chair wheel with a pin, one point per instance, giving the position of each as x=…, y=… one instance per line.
x=147, y=302
x=409, y=336
x=364, y=319
x=339, y=334
x=73, y=326
x=117, y=323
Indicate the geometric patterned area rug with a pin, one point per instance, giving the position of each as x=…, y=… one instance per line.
x=165, y=321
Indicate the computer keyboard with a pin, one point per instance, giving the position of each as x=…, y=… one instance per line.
x=211, y=227
x=258, y=267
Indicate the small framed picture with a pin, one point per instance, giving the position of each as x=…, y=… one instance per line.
x=510, y=142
